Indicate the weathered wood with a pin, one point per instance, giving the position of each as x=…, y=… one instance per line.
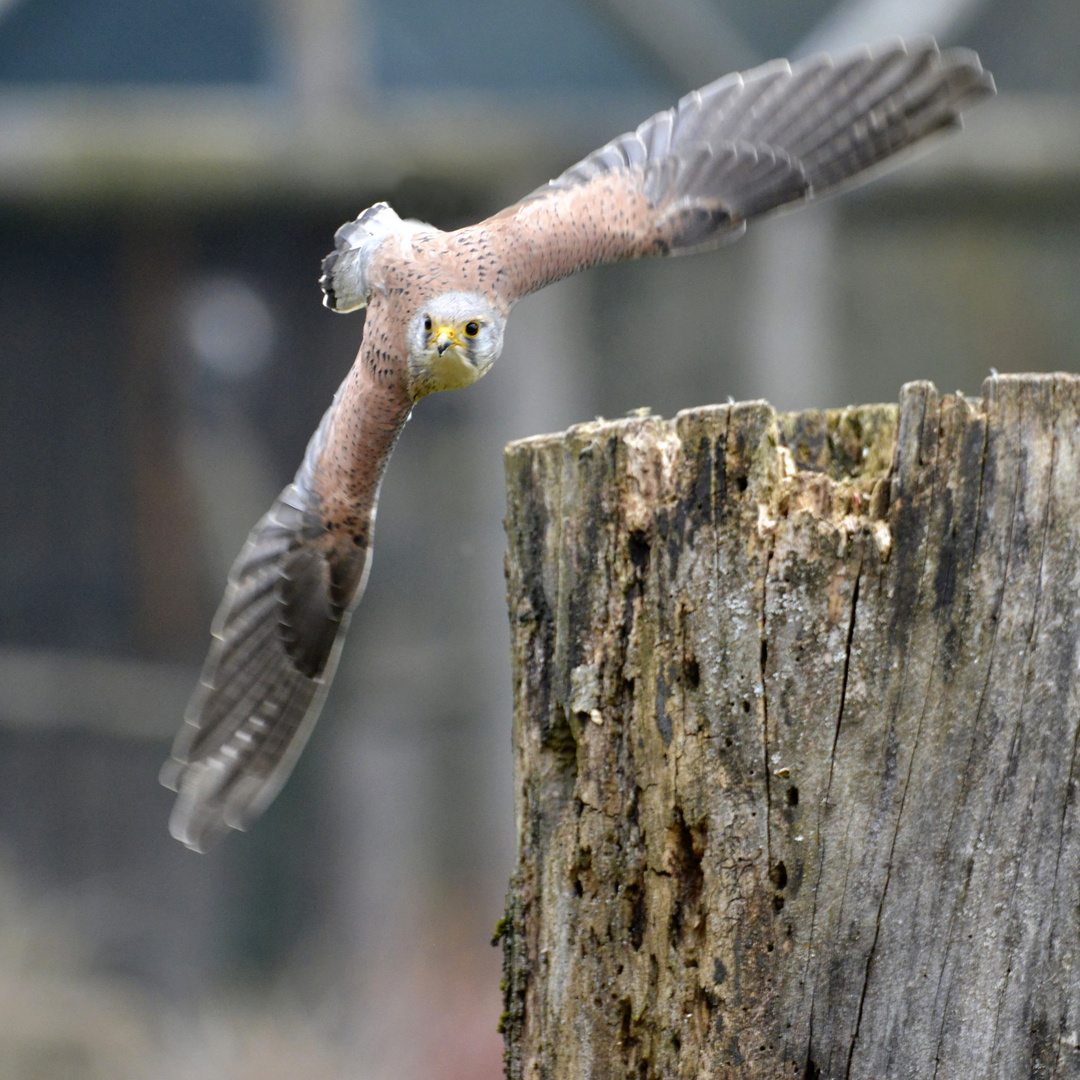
x=795, y=734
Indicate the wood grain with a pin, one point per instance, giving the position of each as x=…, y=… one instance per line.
x=795, y=737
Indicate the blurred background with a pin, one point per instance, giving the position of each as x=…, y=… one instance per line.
x=171, y=173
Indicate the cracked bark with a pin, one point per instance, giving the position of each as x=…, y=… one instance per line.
x=795, y=742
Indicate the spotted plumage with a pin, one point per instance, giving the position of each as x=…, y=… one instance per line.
x=685, y=180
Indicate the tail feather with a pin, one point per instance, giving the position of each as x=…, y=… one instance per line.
x=344, y=278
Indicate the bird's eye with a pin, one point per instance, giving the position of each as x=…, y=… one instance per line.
x=472, y=329
x=427, y=322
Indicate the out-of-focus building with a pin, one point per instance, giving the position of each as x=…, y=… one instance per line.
x=171, y=173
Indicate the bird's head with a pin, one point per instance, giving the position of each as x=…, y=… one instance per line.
x=453, y=340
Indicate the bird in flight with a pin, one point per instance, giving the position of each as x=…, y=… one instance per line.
x=685, y=180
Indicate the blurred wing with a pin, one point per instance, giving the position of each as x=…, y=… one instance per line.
x=276, y=641
x=689, y=178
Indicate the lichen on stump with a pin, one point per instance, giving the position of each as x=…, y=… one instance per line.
x=795, y=738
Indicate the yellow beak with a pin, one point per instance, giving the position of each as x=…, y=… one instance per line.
x=446, y=336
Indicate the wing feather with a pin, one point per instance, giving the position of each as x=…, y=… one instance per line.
x=691, y=177
x=277, y=635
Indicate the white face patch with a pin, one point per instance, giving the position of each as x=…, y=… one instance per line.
x=475, y=339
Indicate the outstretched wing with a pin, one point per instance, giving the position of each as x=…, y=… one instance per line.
x=691, y=177
x=278, y=631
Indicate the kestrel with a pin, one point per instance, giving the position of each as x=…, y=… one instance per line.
x=686, y=180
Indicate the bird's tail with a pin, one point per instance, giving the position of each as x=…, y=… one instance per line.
x=344, y=278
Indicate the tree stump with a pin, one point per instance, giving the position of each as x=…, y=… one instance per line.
x=795, y=737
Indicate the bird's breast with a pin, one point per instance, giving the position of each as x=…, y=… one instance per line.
x=452, y=370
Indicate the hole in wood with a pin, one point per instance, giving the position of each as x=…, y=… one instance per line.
x=692, y=674
x=638, y=545
x=779, y=876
